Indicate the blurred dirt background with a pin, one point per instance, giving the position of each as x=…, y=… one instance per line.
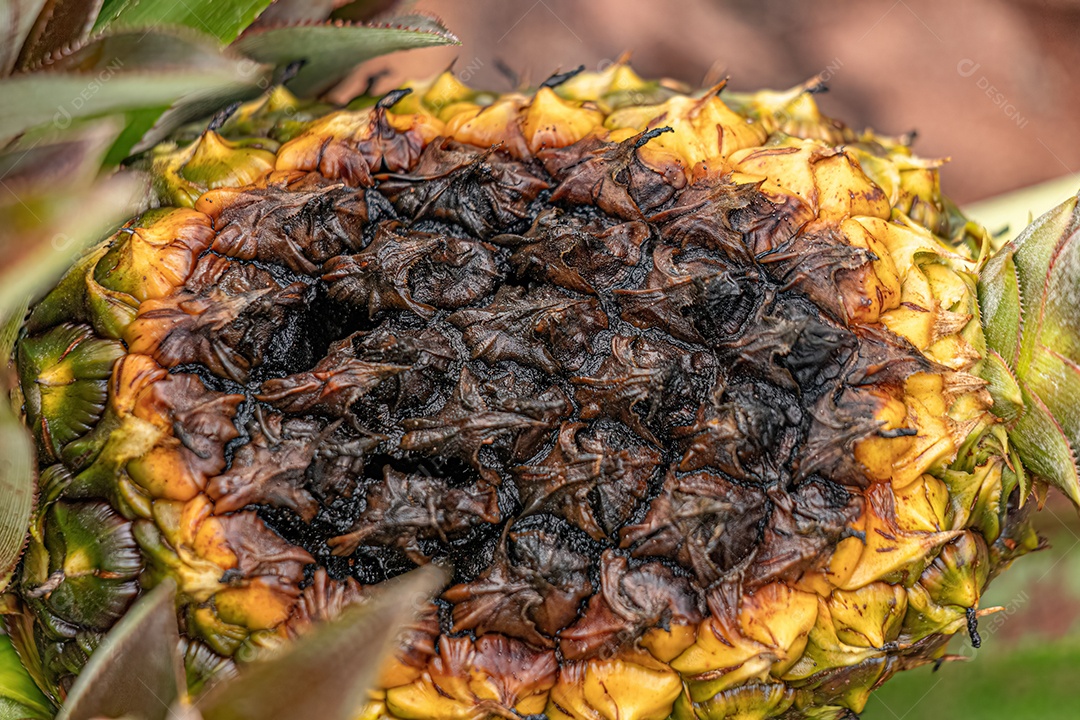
x=993, y=84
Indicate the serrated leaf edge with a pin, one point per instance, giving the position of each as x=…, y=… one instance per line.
x=1073, y=496
x=179, y=31
x=991, y=353
x=1071, y=227
x=446, y=33
x=1071, y=232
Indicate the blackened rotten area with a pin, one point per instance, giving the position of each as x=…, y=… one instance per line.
x=546, y=397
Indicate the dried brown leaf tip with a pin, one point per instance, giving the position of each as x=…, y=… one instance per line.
x=542, y=328
x=508, y=414
x=576, y=255
x=611, y=176
x=483, y=192
x=593, y=480
x=532, y=589
x=353, y=146
x=413, y=271
x=406, y=508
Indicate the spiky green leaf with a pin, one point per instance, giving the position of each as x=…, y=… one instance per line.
x=137, y=124
x=223, y=20
x=284, y=12
x=122, y=72
x=1059, y=321
x=1001, y=383
x=16, y=490
x=1035, y=251
x=1056, y=380
x=38, y=255
x=1044, y=447
x=999, y=305
x=20, y=698
x=1030, y=299
x=331, y=51
x=52, y=207
x=62, y=24
x=325, y=674
x=17, y=18
x=136, y=671
x=9, y=330
x=54, y=161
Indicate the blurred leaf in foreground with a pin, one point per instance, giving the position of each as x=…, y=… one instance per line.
x=19, y=696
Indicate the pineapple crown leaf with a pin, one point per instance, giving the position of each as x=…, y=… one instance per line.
x=20, y=698
x=144, y=49
x=290, y=11
x=61, y=23
x=330, y=49
x=57, y=230
x=16, y=491
x=1003, y=387
x=221, y=20
x=56, y=207
x=44, y=160
x=17, y=19
x=119, y=73
x=1030, y=306
x=48, y=176
x=322, y=674
x=78, y=59
x=365, y=10
x=137, y=669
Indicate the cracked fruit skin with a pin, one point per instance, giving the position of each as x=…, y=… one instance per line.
x=686, y=388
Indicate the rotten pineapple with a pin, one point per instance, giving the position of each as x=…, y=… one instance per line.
x=682, y=386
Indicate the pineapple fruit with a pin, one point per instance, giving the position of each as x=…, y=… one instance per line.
x=690, y=392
